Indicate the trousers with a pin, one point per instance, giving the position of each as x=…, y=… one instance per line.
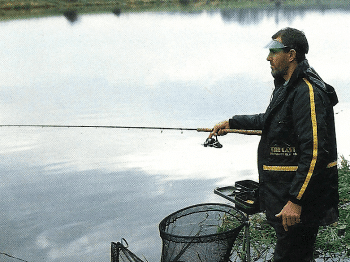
x=296, y=244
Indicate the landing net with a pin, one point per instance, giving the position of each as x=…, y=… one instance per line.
x=200, y=233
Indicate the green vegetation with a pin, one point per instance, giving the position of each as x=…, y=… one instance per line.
x=333, y=242
x=262, y=240
x=16, y=9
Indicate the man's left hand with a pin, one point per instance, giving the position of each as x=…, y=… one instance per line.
x=290, y=215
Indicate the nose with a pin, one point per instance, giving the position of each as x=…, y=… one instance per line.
x=269, y=57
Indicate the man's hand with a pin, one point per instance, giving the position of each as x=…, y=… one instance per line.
x=217, y=130
x=290, y=215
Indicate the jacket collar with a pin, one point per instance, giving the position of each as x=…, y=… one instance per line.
x=303, y=70
x=316, y=80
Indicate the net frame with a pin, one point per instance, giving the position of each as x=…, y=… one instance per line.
x=121, y=253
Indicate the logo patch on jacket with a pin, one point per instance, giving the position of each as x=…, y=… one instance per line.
x=283, y=151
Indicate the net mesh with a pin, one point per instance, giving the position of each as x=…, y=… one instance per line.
x=200, y=233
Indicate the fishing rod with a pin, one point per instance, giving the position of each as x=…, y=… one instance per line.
x=238, y=131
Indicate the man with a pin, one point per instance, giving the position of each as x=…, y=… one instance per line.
x=297, y=152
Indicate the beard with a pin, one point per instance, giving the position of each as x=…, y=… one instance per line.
x=279, y=74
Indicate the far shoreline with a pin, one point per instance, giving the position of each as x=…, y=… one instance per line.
x=11, y=10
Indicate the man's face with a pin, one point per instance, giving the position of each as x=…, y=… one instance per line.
x=278, y=61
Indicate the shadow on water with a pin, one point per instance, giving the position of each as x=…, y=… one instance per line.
x=230, y=13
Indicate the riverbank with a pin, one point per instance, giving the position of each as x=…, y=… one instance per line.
x=333, y=241
x=26, y=8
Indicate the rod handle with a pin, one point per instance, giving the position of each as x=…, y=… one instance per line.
x=243, y=131
x=237, y=131
x=204, y=129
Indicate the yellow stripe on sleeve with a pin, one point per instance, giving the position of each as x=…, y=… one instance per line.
x=315, y=140
x=333, y=164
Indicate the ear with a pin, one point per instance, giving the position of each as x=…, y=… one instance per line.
x=292, y=55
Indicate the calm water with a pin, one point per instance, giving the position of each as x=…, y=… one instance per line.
x=66, y=193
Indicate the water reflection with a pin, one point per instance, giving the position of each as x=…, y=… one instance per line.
x=71, y=15
x=244, y=16
x=247, y=16
x=117, y=11
x=69, y=215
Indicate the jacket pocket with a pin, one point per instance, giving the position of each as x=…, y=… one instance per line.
x=278, y=174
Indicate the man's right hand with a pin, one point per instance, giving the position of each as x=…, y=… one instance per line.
x=218, y=129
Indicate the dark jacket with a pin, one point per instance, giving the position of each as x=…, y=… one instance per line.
x=297, y=154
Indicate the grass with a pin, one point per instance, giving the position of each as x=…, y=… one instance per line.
x=334, y=241
x=332, y=244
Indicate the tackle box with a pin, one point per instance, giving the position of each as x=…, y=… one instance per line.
x=245, y=195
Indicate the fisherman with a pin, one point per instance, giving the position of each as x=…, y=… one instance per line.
x=297, y=154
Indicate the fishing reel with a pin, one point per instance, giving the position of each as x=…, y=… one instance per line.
x=212, y=142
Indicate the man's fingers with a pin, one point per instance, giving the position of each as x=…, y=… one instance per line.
x=290, y=221
x=217, y=130
x=290, y=215
x=213, y=133
x=285, y=224
x=287, y=221
x=221, y=133
x=284, y=221
x=295, y=220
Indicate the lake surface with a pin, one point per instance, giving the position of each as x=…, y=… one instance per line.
x=66, y=193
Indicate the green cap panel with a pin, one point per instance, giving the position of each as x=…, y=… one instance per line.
x=274, y=44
